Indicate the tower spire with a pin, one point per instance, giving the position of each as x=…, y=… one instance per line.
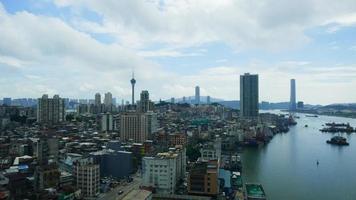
x=133, y=82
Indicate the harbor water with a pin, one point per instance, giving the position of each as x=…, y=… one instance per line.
x=287, y=166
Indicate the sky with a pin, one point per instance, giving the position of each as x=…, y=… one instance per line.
x=76, y=48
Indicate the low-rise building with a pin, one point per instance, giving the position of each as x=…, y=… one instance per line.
x=203, y=178
x=165, y=170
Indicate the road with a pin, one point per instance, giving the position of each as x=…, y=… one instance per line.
x=125, y=187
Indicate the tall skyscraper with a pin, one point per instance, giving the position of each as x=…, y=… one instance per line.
x=292, y=103
x=208, y=100
x=107, y=122
x=249, y=95
x=133, y=82
x=97, y=99
x=145, y=104
x=184, y=100
x=50, y=111
x=108, y=99
x=197, y=95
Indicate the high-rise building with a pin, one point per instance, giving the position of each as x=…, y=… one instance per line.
x=173, y=100
x=197, y=95
x=134, y=126
x=6, y=101
x=292, y=103
x=300, y=105
x=208, y=100
x=144, y=105
x=87, y=176
x=107, y=124
x=249, y=95
x=184, y=99
x=133, y=82
x=50, y=111
x=108, y=99
x=97, y=99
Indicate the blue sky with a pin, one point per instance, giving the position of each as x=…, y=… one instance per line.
x=76, y=48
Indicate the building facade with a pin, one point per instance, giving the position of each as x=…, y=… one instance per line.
x=50, y=110
x=292, y=103
x=107, y=122
x=197, y=95
x=163, y=171
x=249, y=95
x=135, y=126
x=87, y=176
x=203, y=178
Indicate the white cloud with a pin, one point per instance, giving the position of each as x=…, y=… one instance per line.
x=41, y=54
x=271, y=24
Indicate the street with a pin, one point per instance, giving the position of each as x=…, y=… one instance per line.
x=125, y=187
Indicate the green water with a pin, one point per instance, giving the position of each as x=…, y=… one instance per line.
x=287, y=169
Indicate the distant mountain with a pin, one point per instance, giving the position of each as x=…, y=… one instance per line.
x=341, y=106
x=235, y=104
x=191, y=99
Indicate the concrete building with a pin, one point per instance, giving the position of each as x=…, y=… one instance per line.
x=197, y=95
x=203, y=178
x=46, y=176
x=300, y=105
x=292, y=103
x=117, y=164
x=7, y=101
x=97, y=99
x=136, y=126
x=249, y=95
x=108, y=99
x=161, y=172
x=211, y=151
x=107, y=122
x=208, y=100
x=50, y=111
x=145, y=105
x=87, y=176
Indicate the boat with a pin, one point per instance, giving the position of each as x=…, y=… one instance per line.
x=254, y=191
x=338, y=140
x=311, y=115
x=306, y=125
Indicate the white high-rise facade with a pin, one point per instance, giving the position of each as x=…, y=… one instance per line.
x=197, y=95
x=293, y=103
x=108, y=99
x=107, y=122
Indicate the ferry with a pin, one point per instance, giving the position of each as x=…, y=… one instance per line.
x=338, y=140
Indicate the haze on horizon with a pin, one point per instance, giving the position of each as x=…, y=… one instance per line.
x=76, y=48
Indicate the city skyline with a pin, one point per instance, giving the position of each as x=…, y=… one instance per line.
x=169, y=60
